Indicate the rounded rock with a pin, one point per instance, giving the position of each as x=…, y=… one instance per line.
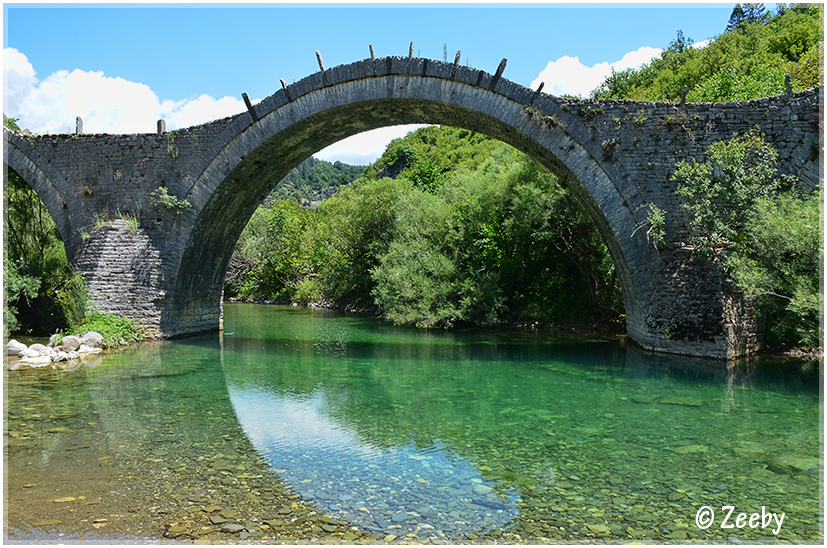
x=93, y=339
x=70, y=343
x=14, y=348
x=482, y=489
x=40, y=349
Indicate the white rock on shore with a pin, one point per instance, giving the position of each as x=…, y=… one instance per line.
x=69, y=353
x=14, y=348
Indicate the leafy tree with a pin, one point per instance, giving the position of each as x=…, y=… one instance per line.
x=355, y=230
x=16, y=287
x=720, y=192
x=269, y=261
x=755, y=13
x=680, y=44
x=416, y=278
x=808, y=72
x=778, y=265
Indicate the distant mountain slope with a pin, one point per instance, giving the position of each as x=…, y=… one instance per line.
x=315, y=180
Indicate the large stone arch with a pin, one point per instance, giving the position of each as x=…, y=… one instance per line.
x=615, y=156
x=255, y=155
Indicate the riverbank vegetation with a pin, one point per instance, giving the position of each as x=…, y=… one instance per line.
x=448, y=226
x=765, y=230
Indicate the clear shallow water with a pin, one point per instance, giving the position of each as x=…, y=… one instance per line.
x=441, y=435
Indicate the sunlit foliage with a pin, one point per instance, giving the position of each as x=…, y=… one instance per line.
x=448, y=226
x=747, y=61
x=766, y=230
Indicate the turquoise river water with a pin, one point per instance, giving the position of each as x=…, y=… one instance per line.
x=297, y=425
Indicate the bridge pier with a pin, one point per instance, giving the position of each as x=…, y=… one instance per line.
x=163, y=261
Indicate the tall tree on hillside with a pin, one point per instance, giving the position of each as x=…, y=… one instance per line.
x=681, y=43
x=756, y=13
x=737, y=19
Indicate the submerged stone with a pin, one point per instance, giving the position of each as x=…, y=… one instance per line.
x=669, y=400
x=482, y=489
x=685, y=401
x=793, y=464
x=598, y=529
x=232, y=528
x=64, y=499
x=644, y=398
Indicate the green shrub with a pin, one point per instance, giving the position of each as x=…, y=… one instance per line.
x=115, y=330
x=162, y=199
x=73, y=299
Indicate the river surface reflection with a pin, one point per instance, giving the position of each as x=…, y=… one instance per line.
x=448, y=436
x=401, y=489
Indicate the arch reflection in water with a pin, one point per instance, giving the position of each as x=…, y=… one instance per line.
x=399, y=490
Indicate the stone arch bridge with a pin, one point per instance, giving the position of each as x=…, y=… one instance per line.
x=167, y=270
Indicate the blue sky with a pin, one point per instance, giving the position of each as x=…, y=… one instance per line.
x=123, y=66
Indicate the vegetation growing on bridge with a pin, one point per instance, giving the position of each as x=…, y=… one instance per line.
x=447, y=226
x=748, y=60
x=765, y=230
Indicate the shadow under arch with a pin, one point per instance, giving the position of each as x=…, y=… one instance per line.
x=254, y=157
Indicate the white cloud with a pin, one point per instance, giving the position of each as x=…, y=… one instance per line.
x=702, y=44
x=568, y=76
x=205, y=109
x=18, y=77
x=106, y=104
x=364, y=148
